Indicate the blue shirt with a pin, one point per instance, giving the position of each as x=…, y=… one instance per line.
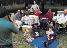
x=6, y=29
x=17, y=16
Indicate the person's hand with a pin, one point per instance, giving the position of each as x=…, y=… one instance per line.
x=11, y=18
x=47, y=35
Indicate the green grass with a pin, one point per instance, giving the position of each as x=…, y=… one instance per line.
x=62, y=41
x=19, y=42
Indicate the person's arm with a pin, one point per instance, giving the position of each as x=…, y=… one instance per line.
x=31, y=7
x=38, y=30
x=54, y=34
x=14, y=24
x=15, y=17
x=12, y=20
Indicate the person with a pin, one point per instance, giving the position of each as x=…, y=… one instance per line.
x=25, y=20
x=54, y=33
x=44, y=23
x=27, y=36
x=49, y=14
x=62, y=19
x=47, y=17
x=35, y=30
x=37, y=12
x=17, y=16
x=33, y=7
x=6, y=29
x=34, y=18
x=49, y=32
x=26, y=11
x=42, y=6
x=53, y=25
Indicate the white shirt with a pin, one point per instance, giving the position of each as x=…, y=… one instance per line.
x=50, y=32
x=34, y=6
x=62, y=18
x=25, y=19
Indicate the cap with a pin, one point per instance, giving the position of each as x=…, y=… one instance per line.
x=3, y=12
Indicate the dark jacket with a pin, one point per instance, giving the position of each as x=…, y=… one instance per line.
x=35, y=30
x=54, y=29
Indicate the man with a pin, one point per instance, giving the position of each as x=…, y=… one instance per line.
x=62, y=19
x=6, y=29
x=17, y=16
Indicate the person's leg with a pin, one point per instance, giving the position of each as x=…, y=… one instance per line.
x=50, y=41
x=41, y=24
x=45, y=44
x=45, y=24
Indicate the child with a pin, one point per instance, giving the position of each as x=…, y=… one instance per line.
x=37, y=12
x=35, y=30
x=48, y=34
x=27, y=36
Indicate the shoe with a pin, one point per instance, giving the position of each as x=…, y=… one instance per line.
x=45, y=44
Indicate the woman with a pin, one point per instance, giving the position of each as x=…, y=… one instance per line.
x=33, y=7
x=47, y=17
x=26, y=11
x=54, y=29
x=49, y=14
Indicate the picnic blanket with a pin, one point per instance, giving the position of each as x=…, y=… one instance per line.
x=38, y=42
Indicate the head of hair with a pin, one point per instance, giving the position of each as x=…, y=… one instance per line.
x=34, y=1
x=65, y=11
x=35, y=24
x=49, y=10
x=52, y=22
x=50, y=27
x=3, y=12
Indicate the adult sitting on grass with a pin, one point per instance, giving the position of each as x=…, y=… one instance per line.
x=17, y=18
x=6, y=29
x=36, y=30
x=52, y=36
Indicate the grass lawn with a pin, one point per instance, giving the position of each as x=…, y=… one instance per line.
x=19, y=42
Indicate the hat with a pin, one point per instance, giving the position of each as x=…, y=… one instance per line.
x=3, y=12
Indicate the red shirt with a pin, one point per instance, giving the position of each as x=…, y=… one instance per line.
x=36, y=12
x=48, y=15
